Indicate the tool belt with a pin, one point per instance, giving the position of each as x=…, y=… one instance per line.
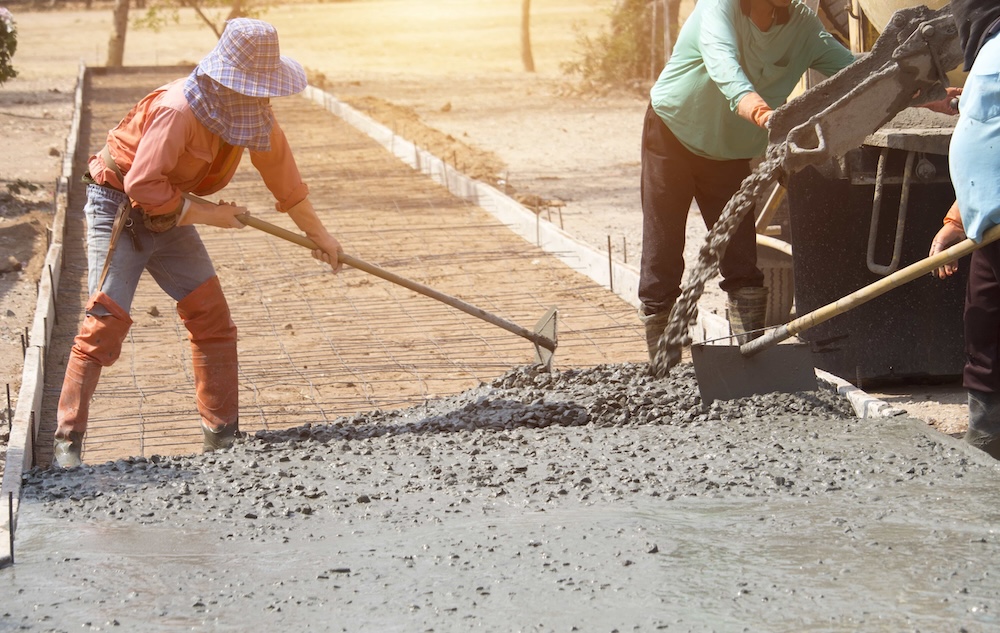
x=154, y=223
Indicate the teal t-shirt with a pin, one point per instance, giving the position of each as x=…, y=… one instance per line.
x=720, y=56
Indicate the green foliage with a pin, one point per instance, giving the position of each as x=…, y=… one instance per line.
x=214, y=13
x=8, y=45
x=621, y=56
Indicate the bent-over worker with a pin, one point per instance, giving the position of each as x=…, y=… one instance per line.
x=185, y=137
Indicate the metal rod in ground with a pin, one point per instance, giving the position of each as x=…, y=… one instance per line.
x=10, y=523
x=277, y=231
x=52, y=291
x=34, y=438
x=10, y=412
x=611, y=268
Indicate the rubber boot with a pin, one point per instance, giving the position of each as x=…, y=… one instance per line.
x=747, y=312
x=218, y=439
x=655, y=325
x=67, y=452
x=212, y=334
x=98, y=344
x=984, y=422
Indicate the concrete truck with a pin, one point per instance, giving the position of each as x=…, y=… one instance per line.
x=867, y=188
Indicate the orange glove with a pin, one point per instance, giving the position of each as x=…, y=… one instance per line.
x=950, y=234
x=754, y=109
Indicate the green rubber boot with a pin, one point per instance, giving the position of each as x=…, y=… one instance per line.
x=218, y=439
x=655, y=325
x=67, y=451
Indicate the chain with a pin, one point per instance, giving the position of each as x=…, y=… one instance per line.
x=675, y=336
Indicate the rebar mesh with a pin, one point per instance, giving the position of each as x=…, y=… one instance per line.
x=314, y=346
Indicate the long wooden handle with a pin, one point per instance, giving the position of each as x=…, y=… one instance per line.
x=869, y=292
x=372, y=269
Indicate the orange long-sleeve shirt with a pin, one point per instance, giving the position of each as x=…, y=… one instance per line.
x=164, y=151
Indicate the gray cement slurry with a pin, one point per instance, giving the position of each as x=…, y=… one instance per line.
x=592, y=500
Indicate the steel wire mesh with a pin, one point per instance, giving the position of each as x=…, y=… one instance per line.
x=313, y=346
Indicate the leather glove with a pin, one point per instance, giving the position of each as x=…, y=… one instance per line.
x=222, y=215
x=330, y=250
x=754, y=109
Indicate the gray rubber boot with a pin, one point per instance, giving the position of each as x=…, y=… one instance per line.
x=984, y=422
x=219, y=439
x=655, y=325
x=66, y=451
x=747, y=312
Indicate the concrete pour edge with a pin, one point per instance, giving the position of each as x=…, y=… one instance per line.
x=621, y=279
x=27, y=413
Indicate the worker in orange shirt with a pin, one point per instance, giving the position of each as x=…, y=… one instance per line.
x=186, y=137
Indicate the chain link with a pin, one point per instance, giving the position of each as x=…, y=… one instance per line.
x=685, y=311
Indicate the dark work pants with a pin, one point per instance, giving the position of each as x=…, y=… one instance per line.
x=671, y=177
x=982, y=321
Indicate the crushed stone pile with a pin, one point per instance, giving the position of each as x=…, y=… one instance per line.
x=455, y=441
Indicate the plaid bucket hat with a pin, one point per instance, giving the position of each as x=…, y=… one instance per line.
x=247, y=60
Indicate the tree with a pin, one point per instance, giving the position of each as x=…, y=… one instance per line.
x=526, y=57
x=116, y=43
x=623, y=54
x=213, y=13
x=8, y=45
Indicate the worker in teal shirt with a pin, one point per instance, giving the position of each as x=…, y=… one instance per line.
x=734, y=62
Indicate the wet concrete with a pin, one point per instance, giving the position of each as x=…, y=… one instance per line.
x=594, y=500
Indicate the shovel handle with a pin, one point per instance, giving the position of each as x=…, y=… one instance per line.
x=867, y=293
x=371, y=269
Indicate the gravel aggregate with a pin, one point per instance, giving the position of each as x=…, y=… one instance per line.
x=596, y=499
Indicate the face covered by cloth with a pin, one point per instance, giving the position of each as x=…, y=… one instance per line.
x=239, y=120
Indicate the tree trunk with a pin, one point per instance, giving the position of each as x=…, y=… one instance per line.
x=116, y=43
x=671, y=27
x=236, y=11
x=526, y=57
x=654, y=57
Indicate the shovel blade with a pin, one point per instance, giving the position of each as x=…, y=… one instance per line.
x=723, y=373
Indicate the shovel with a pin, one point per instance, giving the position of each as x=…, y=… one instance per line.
x=543, y=336
x=725, y=372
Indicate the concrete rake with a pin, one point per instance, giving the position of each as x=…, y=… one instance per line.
x=543, y=337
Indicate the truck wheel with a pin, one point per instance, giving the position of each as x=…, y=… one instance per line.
x=836, y=15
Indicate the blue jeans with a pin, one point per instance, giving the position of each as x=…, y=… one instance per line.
x=176, y=258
